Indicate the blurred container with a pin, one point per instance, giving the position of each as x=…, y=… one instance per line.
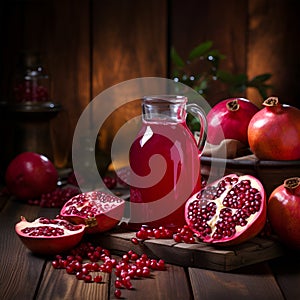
x=26, y=116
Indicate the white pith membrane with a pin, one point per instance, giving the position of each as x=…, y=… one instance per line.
x=219, y=205
x=36, y=224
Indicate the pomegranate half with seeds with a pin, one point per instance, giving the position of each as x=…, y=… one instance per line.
x=98, y=210
x=229, y=211
x=49, y=236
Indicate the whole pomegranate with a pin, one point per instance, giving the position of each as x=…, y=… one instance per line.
x=231, y=116
x=274, y=132
x=228, y=211
x=49, y=236
x=284, y=212
x=100, y=211
x=29, y=175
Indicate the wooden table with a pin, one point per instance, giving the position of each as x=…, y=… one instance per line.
x=25, y=276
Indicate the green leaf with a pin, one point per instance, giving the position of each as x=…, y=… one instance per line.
x=176, y=59
x=224, y=76
x=200, y=50
x=240, y=79
x=261, y=78
x=203, y=85
x=216, y=54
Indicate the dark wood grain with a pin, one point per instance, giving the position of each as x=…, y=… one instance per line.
x=247, y=283
x=60, y=32
x=68, y=51
x=56, y=284
x=284, y=271
x=88, y=46
x=272, y=48
x=26, y=276
x=18, y=265
x=169, y=284
x=223, y=22
x=129, y=41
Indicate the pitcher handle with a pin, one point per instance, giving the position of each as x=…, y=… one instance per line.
x=199, y=113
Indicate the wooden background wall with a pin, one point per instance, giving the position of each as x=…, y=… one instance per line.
x=89, y=46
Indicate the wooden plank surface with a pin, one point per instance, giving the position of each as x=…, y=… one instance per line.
x=196, y=255
x=18, y=265
x=162, y=285
x=246, y=283
x=57, y=284
x=286, y=276
x=26, y=276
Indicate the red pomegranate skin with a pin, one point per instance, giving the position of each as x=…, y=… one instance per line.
x=284, y=214
x=231, y=116
x=49, y=244
x=274, y=132
x=29, y=175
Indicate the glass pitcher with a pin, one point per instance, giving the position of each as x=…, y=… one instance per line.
x=165, y=162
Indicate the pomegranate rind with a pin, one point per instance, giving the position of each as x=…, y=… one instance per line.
x=111, y=210
x=254, y=226
x=29, y=175
x=49, y=245
x=224, y=123
x=274, y=132
x=284, y=215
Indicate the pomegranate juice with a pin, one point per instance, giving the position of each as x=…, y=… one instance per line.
x=169, y=151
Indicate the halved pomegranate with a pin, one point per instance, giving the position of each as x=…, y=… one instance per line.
x=98, y=210
x=49, y=236
x=229, y=211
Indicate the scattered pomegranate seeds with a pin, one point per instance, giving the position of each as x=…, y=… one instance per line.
x=158, y=233
x=56, y=198
x=86, y=259
x=183, y=235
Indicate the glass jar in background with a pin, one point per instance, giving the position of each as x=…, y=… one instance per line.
x=32, y=83
x=31, y=111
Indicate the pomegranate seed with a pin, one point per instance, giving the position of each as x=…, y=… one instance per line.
x=139, y=272
x=135, y=241
x=87, y=278
x=98, y=278
x=117, y=293
x=161, y=265
x=142, y=235
x=69, y=269
x=145, y=272
x=134, y=256
x=118, y=284
x=127, y=283
x=79, y=275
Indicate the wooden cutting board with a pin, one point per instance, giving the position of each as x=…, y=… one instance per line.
x=199, y=255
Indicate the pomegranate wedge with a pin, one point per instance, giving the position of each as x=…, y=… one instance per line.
x=229, y=211
x=100, y=211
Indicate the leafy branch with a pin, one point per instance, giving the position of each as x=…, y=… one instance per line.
x=209, y=60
